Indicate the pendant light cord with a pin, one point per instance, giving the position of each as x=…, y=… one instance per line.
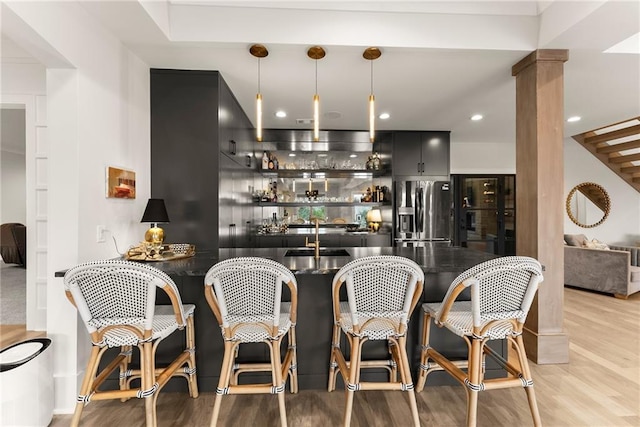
x=258, y=75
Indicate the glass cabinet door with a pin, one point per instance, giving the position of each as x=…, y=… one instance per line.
x=485, y=212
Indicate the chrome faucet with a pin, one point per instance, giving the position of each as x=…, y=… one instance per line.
x=316, y=244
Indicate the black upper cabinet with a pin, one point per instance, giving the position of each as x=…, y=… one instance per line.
x=185, y=154
x=236, y=131
x=200, y=161
x=417, y=153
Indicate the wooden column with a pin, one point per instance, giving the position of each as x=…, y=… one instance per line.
x=540, y=196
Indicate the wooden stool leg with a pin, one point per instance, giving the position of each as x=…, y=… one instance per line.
x=335, y=342
x=426, y=331
x=294, y=361
x=354, y=367
x=87, y=383
x=526, y=374
x=405, y=375
x=276, y=375
x=147, y=381
x=223, y=382
x=191, y=363
x=124, y=366
x=474, y=377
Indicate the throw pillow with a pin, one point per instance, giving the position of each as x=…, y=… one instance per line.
x=596, y=244
x=575, y=239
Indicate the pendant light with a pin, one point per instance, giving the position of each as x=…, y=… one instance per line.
x=315, y=53
x=259, y=51
x=371, y=54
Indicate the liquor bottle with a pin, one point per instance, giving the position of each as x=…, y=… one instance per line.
x=265, y=161
x=376, y=161
x=270, y=162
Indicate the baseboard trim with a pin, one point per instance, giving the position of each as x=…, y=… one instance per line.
x=546, y=349
x=66, y=391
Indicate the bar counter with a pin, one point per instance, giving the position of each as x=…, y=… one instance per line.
x=439, y=258
x=440, y=263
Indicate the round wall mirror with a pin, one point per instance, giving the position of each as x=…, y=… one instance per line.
x=588, y=204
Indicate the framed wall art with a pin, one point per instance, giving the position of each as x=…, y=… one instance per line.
x=121, y=183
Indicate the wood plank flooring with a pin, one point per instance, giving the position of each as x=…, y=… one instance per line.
x=10, y=334
x=599, y=387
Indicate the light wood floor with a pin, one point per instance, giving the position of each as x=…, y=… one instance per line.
x=599, y=387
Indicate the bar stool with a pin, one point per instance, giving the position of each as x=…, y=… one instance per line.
x=116, y=301
x=245, y=295
x=502, y=291
x=382, y=292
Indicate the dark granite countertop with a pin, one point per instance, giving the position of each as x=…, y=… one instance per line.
x=434, y=259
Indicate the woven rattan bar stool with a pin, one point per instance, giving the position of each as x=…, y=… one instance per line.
x=116, y=301
x=245, y=294
x=382, y=292
x=502, y=291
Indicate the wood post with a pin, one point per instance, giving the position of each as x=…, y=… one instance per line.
x=540, y=195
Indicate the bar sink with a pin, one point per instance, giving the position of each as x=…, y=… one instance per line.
x=311, y=252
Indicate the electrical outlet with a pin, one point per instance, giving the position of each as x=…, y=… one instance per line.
x=100, y=230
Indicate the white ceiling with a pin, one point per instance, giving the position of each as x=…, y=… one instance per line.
x=441, y=61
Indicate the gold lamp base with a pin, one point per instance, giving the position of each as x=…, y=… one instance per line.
x=154, y=235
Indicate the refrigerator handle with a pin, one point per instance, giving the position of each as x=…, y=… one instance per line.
x=419, y=210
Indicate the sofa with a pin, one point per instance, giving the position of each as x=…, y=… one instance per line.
x=592, y=265
x=13, y=243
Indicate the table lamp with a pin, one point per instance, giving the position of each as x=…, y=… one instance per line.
x=155, y=213
x=374, y=218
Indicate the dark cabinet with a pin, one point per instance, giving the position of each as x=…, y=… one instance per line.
x=421, y=153
x=185, y=154
x=326, y=240
x=365, y=240
x=200, y=145
x=236, y=130
x=484, y=214
x=282, y=241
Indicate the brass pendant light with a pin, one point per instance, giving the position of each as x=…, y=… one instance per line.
x=315, y=53
x=259, y=51
x=371, y=54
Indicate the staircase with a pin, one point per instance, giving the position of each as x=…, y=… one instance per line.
x=618, y=147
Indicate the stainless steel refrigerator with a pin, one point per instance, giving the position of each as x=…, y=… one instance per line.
x=422, y=212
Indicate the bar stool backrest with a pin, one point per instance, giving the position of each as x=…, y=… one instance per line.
x=501, y=288
x=380, y=286
x=249, y=286
x=119, y=292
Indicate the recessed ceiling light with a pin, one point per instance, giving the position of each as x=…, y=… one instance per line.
x=322, y=155
x=281, y=114
x=476, y=117
x=333, y=115
x=353, y=156
x=574, y=119
x=384, y=116
x=292, y=154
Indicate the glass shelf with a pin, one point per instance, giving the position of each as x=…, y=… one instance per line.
x=323, y=173
x=320, y=203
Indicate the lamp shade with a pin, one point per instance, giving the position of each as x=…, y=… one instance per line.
x=155, y=212
x=374, y=215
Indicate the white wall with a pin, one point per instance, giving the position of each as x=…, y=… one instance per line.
x=480, y=158
x=623, y=224
x=98, y=115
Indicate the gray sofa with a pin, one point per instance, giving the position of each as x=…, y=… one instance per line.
x=614, y=271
